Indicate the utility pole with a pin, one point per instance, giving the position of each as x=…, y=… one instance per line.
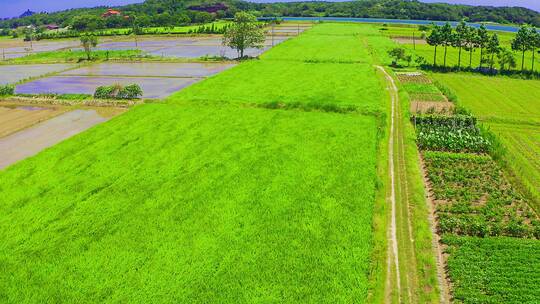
x=414, y=40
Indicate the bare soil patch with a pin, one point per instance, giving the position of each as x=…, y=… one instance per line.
x=409, y=40
x=422, y=107
x=16, y=118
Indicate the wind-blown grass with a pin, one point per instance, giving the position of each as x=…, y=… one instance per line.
x=194, y=204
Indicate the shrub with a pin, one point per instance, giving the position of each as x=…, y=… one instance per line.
x=7, y=90
x=132, y=91
x=117, y=91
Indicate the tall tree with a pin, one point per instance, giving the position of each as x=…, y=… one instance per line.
x=244, y=33
x=447, y=38
x=535, y=44
x=522, y=43
x=493, y=48
x=460, y=39
x=435, y=39
x=88, y=41
x=482, y=39
x=506, y=58
x=471, y=43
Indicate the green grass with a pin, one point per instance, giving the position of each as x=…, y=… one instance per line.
x=75, y=56
x=214, y=204
x=522, y=143
x=270, y=81
x=208, y=198
x=496, y=98
x=494, y=270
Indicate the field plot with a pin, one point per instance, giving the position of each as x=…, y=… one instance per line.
x=15, y=48
x=496, y=98
x=494, y=270
x=11, y=74
x=28, y=142
x=272, y=81
x=523, y=145
x=511, y=109
x=15, y=118
x=152, y=69
x=215, y=204
x=157, y=80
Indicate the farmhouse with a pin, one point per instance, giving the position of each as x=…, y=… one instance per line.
x=110, y=13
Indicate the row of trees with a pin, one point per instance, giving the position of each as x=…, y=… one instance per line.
x=469, y=39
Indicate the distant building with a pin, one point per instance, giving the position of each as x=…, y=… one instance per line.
x=110, y=13
x=52, y=27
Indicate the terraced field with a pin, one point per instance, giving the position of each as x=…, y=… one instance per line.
x=210, y=197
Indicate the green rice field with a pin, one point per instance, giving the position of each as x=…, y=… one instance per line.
x=209, y=197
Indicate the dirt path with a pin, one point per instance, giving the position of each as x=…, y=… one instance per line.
x=31, y=141
x=393, y=258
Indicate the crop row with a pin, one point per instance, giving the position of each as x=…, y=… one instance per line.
x=457, y=133
x=474, y=197
x=494, y=270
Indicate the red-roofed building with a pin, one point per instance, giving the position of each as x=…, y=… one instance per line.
x=111, y=12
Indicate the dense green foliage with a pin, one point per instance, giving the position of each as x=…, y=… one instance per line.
x=6, y=90
x=244, y=33
x=494, y=270
x=132, y=91
x=457, y=133
x=174, y=13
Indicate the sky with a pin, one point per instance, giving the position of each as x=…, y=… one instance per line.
x=11, y=8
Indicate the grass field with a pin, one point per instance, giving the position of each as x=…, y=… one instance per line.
x=196, y=206
x=494, y=270
x=207, y=198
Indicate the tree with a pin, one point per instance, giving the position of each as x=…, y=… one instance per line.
x=244, y=33
x=460, y=39
x=471, y=43
x=492, y=48
x=506, y=58
x=482, y=38
x=435, y=39
x=535, y=44
x=88, y=41
x=446, y=38
x=397, y=54
x=522, y=43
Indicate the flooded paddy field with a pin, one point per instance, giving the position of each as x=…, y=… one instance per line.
x=14, y=118
x=10, y=74
x=157, y=69
x=153, y=87
x=157, y=79
x=18, y=48
x=32, y=140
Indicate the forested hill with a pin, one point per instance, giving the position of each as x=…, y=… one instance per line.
x=177, y=12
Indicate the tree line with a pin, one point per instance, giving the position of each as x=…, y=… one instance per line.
x=469, y=39
x=154, y=13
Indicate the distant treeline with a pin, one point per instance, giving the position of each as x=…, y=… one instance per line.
x=153, y=13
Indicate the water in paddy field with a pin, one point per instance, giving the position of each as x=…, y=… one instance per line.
x=31, y=141
x=157, y=80
x=493, y=27
x=10, y=74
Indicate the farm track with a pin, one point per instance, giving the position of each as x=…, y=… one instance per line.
x=403, y=284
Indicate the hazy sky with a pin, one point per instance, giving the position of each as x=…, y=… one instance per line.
x=10, y=8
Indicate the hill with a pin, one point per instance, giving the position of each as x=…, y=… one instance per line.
x=177, y=12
